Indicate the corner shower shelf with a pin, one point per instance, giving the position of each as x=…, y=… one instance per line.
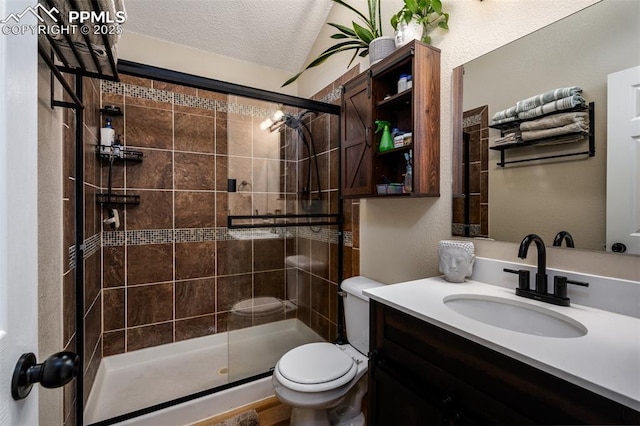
x=547, y=141
x=111, y=112
x=125, y=154
x=122, y=199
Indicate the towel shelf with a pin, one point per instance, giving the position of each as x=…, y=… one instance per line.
x=64, y=54
x=515, y=125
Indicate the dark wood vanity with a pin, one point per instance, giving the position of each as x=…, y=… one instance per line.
x=421, y=374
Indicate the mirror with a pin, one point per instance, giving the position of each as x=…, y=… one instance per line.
x=555, y=194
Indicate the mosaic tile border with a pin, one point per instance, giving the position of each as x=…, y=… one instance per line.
x=91, y=246
x=193, y=235
x=472, y=120
x=148, y=93
x=332, y=96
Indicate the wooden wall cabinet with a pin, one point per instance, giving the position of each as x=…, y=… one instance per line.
x=421, y=374
x=373, y=95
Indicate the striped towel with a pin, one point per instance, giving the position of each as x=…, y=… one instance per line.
x=564, y=103
x=506, y=120
x=545, y=98
x=556, y=120
x=505, y=114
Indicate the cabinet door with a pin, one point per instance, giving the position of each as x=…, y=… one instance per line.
x=394, y=403
x=356, y=148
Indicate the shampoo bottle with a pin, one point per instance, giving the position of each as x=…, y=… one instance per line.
x=107, y=134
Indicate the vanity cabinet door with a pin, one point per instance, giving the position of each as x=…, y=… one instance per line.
x=397, y=403
x=356, y=148
x=480, y=385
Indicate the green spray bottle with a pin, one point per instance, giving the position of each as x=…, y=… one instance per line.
x=386, y=142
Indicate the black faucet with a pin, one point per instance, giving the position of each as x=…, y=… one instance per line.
x=541, y=275
x=563, y=236
x=559, y=296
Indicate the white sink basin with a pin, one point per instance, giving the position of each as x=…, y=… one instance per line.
x=515, y=315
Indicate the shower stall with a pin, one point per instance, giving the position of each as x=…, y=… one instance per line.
x=227, y=248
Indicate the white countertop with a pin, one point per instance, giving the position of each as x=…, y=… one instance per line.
x=606, y=360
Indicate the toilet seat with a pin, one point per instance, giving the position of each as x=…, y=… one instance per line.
x=315, y=367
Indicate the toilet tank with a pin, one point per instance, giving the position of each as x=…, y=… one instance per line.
x=356, y=311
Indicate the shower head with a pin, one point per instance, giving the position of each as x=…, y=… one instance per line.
x=273, y=120
x=280, y=118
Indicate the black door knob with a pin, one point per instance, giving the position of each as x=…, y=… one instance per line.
x=618, y=248
x=57, y=370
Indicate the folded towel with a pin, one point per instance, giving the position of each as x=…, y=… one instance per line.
x=580, y=126
x=561, y=104
x=505, y=114
x=545, y=98
x=509, y=138
x=503, y=121
x=562, y=140
x=556, y=120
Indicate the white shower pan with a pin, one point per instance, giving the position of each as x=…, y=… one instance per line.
x=137, y=380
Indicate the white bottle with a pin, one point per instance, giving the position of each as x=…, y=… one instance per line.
x=402, y=83
x=107, y=134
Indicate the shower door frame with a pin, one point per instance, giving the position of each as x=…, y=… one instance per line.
x=175, y=77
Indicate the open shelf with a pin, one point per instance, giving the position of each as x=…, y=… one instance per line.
x=105, y=152
x=549, y=141
x=394, y=150
x=403, y=97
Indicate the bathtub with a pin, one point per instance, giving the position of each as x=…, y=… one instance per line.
x=137, y=380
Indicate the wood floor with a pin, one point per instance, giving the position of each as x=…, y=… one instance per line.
x=271, y=412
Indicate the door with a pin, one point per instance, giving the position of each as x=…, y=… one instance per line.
x=357, y=152
x=623, y=160
x=18, y=213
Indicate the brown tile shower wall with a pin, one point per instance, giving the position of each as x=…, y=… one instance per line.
x=171, y=272
x=318, y=284
x=475, y=123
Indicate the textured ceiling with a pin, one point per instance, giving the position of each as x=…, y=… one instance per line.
x=273, y=33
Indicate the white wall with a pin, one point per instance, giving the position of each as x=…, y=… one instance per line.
x=151, y=51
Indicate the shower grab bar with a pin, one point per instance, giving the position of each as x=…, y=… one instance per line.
x=232, y=218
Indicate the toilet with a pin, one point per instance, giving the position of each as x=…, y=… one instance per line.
x=325, y=382
x=268, y=309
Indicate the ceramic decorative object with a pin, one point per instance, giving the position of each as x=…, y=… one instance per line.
x=407, y=32
x=380, y=48
x=456, y=259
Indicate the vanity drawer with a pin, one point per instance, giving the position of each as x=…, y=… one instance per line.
x=477, y=374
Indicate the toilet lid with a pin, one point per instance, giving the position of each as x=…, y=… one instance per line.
x=316, y=363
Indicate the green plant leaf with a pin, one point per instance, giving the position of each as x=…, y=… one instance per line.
x=348, y=6
x=411, y=5
x=344, y=29
x=437, y=6
x=363, y=33
x=443, y=25
x=339, y=36
x=394, y=22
